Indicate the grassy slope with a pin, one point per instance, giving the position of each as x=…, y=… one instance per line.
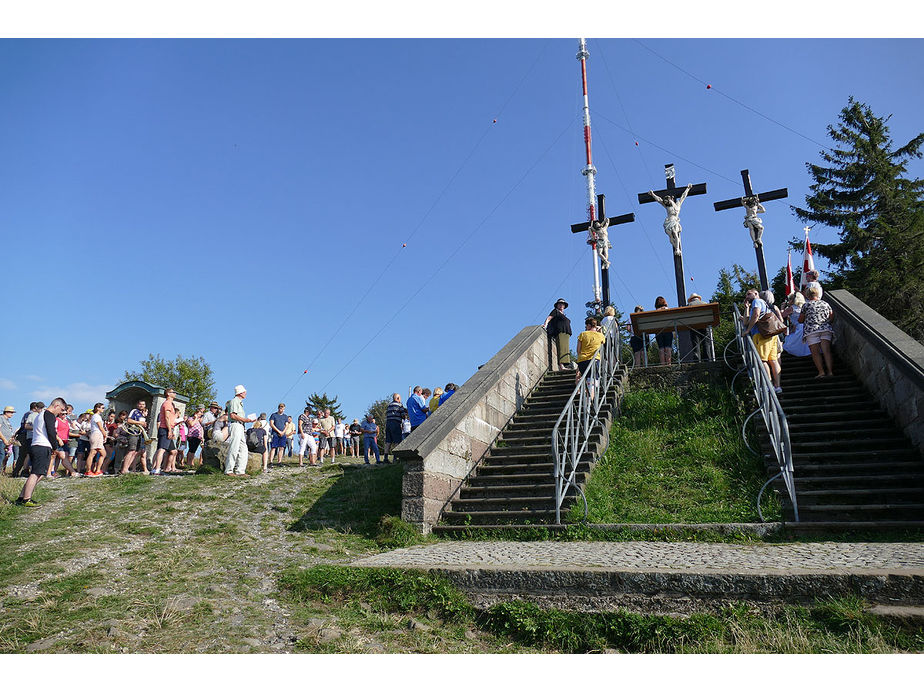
x=211, y=564
x=676, y=458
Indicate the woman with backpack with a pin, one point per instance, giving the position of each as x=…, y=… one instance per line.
x=763, y=325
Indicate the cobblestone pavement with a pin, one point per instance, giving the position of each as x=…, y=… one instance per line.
x=644, y=556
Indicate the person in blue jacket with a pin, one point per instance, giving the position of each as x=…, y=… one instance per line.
x=417, y=408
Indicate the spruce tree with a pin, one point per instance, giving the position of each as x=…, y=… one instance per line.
x=318, y=403
x=861, y=189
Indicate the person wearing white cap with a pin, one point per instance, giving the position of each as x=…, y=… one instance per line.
x=6, y=435
x=236, y=464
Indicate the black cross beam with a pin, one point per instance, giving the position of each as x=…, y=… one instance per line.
x=735, y=203
x=671, y=189
x=614, y=221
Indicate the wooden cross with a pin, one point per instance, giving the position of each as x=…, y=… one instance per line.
x=759, y=197
x=614, y=221
x=675, y=192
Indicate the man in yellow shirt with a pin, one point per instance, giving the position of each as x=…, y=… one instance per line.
x=587, y=344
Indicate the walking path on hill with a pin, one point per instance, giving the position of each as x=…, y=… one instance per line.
x=670, y=577
x=906, y=558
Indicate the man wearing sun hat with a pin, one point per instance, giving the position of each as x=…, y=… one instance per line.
x=6, y=435
x=236, y=464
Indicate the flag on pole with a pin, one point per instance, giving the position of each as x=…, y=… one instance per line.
x=790, y=282
x=808, y=262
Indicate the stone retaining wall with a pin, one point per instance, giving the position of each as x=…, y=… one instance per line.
x=441, y=453
x=889, y=362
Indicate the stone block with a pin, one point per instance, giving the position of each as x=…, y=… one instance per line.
x=442, y=462
x=439, y=487
x=412, y=510
x=432, y=510
x=412, y=484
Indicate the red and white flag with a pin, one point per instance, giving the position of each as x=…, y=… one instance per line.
x=790, y=282
x=808, y=262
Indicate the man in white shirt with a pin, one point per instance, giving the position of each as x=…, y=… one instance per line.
x=44, y=440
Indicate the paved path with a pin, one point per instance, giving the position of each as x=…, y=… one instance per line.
x=642, y=556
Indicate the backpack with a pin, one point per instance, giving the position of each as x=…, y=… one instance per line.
x=768, y=325
x=253, y=440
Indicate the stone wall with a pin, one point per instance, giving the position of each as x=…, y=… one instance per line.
x=441, y=453
x=889, y=362
x=679, y=376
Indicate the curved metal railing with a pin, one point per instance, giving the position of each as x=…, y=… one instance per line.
x=771, y=412
x=571, y=434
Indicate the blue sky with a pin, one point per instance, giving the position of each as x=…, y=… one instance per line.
x=248, y=200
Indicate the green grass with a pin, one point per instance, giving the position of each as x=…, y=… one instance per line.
x=375, y=597
x=676, y=458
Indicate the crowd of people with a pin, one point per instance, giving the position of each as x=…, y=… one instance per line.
x=52, y=442
x=803, y=327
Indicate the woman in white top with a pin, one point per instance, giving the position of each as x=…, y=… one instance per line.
x=97, y=441
x=793, y=343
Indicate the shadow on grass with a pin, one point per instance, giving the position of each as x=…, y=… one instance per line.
x=353, y=500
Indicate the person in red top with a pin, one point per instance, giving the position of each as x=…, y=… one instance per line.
x=166, y=420
x=63, y=428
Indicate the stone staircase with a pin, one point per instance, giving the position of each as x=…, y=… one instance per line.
x=514, y=486
x=854, y=469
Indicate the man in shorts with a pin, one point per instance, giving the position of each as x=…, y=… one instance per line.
x=328, y=441
x=165, y=423
x=278, y=423
x=394, y=415
x=306, y=440
x=135, y=440
x=25, y=438
x=44, y=440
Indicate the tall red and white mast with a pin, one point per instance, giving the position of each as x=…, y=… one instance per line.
x=589, y=172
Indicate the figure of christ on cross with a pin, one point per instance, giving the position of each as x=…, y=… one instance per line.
x=597, y=236
x=672, y=221
x=753, y=223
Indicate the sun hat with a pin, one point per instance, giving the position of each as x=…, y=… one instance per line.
x=238, y=389
x=9, y=410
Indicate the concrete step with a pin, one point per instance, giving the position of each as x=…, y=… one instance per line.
x=843, y=410
x=859, y=496
x=870, y=441
x=816, y=457
x=855, y=469
x=840, y=427
x=504, y=504
x=492, y=517
x=823, y=399
x=509, y=491
x=868, y=481
x=511, y=480
x=536, y=467
x=858, y=512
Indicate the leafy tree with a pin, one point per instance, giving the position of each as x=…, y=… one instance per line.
x=730, y=290
x=377, y=409
x=727, y=293
x=190, y=377
x=861, y=189
x=319, y=403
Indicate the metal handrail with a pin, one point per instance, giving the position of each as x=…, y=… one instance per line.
x=770, y=410
x=571, y=434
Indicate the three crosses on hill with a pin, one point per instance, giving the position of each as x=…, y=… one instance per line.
x=671, y=198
